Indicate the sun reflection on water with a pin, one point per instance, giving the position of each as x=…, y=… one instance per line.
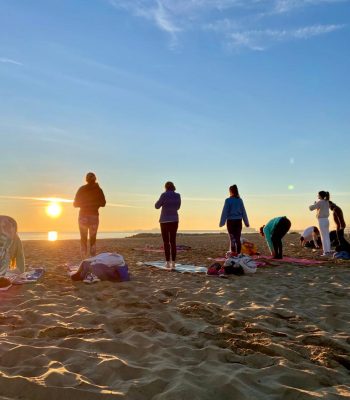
x=52, y=236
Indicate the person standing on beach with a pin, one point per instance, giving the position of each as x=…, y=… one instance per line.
x=322, y=212
x=232, y=214
x=170, y=202
x=340, y=225
x=89, y=199
x=273, y=232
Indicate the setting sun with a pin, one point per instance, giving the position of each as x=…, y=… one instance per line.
x=54, y=210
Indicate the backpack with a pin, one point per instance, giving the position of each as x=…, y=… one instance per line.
x=214, y=269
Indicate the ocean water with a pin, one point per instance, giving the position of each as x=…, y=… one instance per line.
x=100, y=235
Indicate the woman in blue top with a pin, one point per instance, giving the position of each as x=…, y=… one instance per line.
x=170, y=202
x=232, y=214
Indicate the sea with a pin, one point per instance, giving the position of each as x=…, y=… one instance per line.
x=101, y=235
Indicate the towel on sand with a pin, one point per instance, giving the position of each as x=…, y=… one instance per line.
x=183, y=268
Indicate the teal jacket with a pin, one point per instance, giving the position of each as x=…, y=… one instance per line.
x=269, y=229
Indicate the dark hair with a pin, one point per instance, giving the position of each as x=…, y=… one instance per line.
x=261, y=230
x=170, y=186
x=316, y=230
x=234, y=191
x=90, y=177
x=332, y=205
x=324, y=195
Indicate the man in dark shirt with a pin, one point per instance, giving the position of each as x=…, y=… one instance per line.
x=89, y=199
x=340, y=224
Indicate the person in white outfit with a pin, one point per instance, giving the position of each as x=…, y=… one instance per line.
x=322, y=213
x=311, y=237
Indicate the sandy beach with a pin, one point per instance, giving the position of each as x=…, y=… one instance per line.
x=283, y=333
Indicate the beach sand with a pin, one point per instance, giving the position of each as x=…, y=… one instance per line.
x=283, y=333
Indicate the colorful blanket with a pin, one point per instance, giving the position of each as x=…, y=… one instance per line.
x=30, y=276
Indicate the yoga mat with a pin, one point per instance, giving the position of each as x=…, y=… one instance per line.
x=178, y=267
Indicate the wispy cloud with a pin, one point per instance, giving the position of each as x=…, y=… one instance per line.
x=5, y=60
x=283, y=6
x=60, y=200
x=262, y=39
x=235, y=20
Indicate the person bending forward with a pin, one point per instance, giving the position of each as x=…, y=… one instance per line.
x=273, y=232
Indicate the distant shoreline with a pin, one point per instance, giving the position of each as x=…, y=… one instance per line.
x=119, y=234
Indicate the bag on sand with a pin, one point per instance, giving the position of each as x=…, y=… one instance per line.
x=249, y=248
x=215, y=269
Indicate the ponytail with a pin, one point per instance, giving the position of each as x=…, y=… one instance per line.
x=324, y=195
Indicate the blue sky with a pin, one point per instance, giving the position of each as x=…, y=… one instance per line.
x=203, y=92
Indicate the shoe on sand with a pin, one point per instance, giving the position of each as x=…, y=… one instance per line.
x=91, y=278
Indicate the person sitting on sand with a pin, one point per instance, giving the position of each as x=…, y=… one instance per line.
x=273, y=232
x=311, y=238
x=170, y=202
x=11, y=250
x=322, y=212
x=232, y=214
x=89, y=199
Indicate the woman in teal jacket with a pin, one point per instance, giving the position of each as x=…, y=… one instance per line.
x=274, y=231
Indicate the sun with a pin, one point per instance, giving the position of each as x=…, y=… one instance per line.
x=54, y=210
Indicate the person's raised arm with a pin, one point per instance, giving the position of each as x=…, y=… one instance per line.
x=315, y=206
x=160, y=202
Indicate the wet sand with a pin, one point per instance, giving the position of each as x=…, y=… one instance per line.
x=283, y=333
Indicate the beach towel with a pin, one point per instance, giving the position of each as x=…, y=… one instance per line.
x=183, y=268
x=153, y=249
x=30, y=276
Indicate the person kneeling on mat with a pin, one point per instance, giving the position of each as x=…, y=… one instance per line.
x=273, y=232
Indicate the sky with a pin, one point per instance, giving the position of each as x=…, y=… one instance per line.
x=205, y=93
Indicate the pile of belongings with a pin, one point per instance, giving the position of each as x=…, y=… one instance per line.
x=234, y=265
x=103, y=267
